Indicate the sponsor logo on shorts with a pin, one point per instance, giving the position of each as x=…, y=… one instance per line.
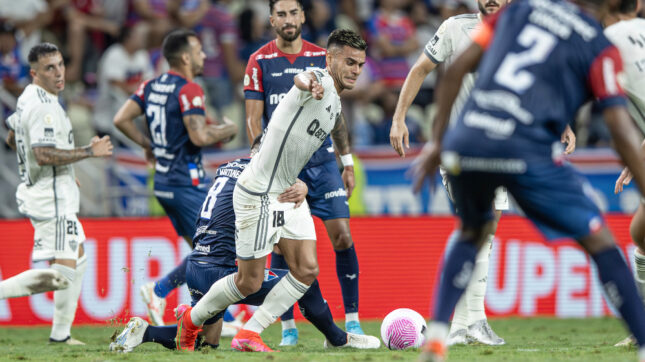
x=269, y=275
x=194, y=292
x=203, y=248
x=337, y=193
x=38, y=243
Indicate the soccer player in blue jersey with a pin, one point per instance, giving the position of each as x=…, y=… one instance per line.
x=269, y=76
x=173, y=106
x=538, y=62
x=214, y=258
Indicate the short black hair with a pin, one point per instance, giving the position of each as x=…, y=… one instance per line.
x=40, y=50
x=342, y=37
x=628, y=6
x=176, y=43
x=273, y=2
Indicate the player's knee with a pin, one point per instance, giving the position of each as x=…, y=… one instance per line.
x=248, y=284
x=306, y=272
x=637, y=232
x=342, y=240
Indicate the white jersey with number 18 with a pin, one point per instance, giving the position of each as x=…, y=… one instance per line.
x=298, y=127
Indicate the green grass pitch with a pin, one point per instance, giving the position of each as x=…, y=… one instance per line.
x=539, y=339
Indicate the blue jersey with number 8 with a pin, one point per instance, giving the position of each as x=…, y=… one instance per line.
x=164, y=101
x=214, y=239
x=543, y=60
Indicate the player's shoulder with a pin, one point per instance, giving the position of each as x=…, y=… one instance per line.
x=34, y=99
x=624, y=27
x=267, y=51
x=312, y=50
x=233, y=168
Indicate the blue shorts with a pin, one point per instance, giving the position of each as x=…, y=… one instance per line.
x=327, y=197
x=555, y=197
x=200, y=276
x=182, y=205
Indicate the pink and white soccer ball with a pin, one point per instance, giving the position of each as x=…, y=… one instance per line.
x=403, y=328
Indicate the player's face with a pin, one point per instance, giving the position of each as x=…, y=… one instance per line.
x=488, y=7
x=197, y=56
x=49, y=72
x=287, y=19
x=345, y=65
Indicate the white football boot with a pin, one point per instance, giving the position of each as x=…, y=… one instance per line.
x=155, y=306
x=357, y=341
x=481, y=332
x=457, y=337
x=130, y=337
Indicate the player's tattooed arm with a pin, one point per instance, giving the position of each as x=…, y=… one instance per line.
x=340, y=135
x=202, y=134
x=51, y=156
x=11, y=139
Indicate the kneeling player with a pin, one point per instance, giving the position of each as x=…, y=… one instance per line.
x=213, y=258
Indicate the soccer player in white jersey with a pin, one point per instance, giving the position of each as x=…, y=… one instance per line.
x=469, y=323
x=41, y=133
x=627, y=32
x=306, y=115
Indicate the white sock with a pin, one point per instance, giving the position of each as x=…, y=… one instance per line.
x=639, y=272
x=288, y=324
x=476, y=290
x=66, y=301
x=460, y=317
x=351, y=317
x=280, y=298
x=32, y=281
x=221, y=294
x=437, y=331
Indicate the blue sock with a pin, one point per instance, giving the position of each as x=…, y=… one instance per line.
x=621, y=290
x=457, y=270
x=172, y=280
x=314, y=307
x=164, y=335
x=228, y=317
x=347, y=271
x=278, y=262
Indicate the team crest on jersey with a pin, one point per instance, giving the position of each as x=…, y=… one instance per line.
x=269, y=275
x=247, y=80
x=73, y=244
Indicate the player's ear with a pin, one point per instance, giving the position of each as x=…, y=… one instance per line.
x=185, y=58
x=32, y=72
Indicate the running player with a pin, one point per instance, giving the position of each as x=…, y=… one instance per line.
x=540, y=52
x=269, y=76
x=306, y=115
x=214, y=258
x=173, y=106
x=469, y=323
x=627, y=32
x=41, y=133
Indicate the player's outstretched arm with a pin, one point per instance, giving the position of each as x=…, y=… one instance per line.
x=428, y=161
x=51, y=156
x=124, y=121
x=254, y=109
x=399, y=136
x=626, y=144
x=340, y=136
x=202, y=134
x=306, y=81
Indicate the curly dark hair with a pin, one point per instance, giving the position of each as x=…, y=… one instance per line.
x=342, y=37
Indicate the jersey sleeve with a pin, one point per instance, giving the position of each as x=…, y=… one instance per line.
x=440, y=46
x=191, y=99
x=10, y=121
x=139, y=96
x=253, y=80
x=42, y=126
x=323, y=79
x=483, y=34
x=603, y=78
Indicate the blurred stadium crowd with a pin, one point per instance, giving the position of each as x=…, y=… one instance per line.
x=110, y=46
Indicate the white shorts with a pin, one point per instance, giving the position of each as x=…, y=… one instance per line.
x=501, y=195
x=57, y=238
x=260, y=222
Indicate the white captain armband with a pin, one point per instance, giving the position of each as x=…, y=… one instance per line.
x=347, y=160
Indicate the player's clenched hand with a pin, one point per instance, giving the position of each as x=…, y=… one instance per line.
x=294, y=193
x=569, y=138
x=316, y=89
x=425, y=165
x=399, y=137
x=624, y=179
x=348, y=180
x=101, y=147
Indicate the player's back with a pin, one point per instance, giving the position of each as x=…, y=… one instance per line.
x=629, y=37
x=214, y=240
x=545, y=60
x=165, y=101
x=297, y=129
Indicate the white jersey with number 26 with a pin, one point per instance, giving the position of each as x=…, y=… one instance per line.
x=298, y=127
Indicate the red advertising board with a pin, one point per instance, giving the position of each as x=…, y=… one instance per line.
x=399, y=258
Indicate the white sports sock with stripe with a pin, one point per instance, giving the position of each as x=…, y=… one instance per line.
x=476, y=290
x=66, y=301
x=280, y=298
x=221, y=294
